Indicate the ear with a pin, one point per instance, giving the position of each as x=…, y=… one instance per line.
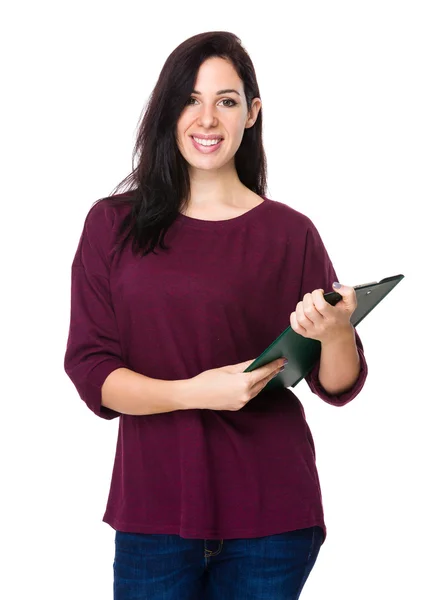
x=253, y=113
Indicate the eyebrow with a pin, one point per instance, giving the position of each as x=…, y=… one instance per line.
x=220, y=92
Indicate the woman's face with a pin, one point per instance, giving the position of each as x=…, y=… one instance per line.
x=213, y=111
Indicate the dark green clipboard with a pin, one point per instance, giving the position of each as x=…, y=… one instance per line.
x=302, y=353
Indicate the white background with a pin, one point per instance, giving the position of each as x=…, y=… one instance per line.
x=352, y=107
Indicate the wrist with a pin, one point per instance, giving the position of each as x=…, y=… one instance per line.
x=342, y=338
x=185, y=394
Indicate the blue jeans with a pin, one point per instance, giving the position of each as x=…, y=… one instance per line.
x=169, y=567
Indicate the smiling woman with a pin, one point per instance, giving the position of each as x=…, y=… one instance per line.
x=214, y=491
x=207, y=89
x=215, y=126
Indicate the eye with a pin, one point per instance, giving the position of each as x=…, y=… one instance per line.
x=229, y=100
x=224, y=100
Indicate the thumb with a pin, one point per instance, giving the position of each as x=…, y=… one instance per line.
x=240, y=367
x=346, y=292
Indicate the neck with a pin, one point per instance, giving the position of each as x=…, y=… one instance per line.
x=215, y=188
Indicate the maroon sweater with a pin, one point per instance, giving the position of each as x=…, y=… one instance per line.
x=220, y=296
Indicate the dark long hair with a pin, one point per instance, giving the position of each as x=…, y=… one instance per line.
x=159, y=186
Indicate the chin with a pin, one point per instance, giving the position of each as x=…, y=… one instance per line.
x=197, y=167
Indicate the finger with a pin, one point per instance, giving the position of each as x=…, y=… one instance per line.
x=310, y=311
x=276, y=372
x=300, y=316
x=256, y=388
x=349, y=296
x=257, y=381
x=318, y=299
x=343, y=290
x=273, y=368
x=266, y=371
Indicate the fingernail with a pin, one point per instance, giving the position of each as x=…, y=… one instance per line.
x=336, y=284
x=285, y=362
x=281, y=368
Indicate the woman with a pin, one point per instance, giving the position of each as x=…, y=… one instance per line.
x=214, y=491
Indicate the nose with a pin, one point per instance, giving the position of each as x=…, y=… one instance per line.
x=207, y=117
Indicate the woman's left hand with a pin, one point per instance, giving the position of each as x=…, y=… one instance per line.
x=317, y=319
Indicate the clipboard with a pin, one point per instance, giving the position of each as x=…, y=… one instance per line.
x=302, y=353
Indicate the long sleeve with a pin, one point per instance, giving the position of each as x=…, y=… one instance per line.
x=93, y=347
x=319, y=273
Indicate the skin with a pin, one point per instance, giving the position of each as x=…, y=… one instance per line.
x=214, y=179
x=317, y=319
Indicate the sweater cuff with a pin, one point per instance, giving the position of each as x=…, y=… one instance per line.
x=338, y=399
x=90, y=388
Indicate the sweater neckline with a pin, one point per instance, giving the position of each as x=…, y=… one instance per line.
x=224, y=223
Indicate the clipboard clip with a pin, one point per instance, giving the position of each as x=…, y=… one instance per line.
x=356, y=287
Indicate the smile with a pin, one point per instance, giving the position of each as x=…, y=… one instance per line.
x=206, y=146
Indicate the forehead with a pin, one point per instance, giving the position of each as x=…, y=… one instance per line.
x=216, y=73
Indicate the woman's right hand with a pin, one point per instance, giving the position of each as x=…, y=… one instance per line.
x=229, y=388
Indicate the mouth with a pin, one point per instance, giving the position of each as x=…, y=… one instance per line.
x=206, y=146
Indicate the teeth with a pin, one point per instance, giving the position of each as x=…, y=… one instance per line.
x=207, y=142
